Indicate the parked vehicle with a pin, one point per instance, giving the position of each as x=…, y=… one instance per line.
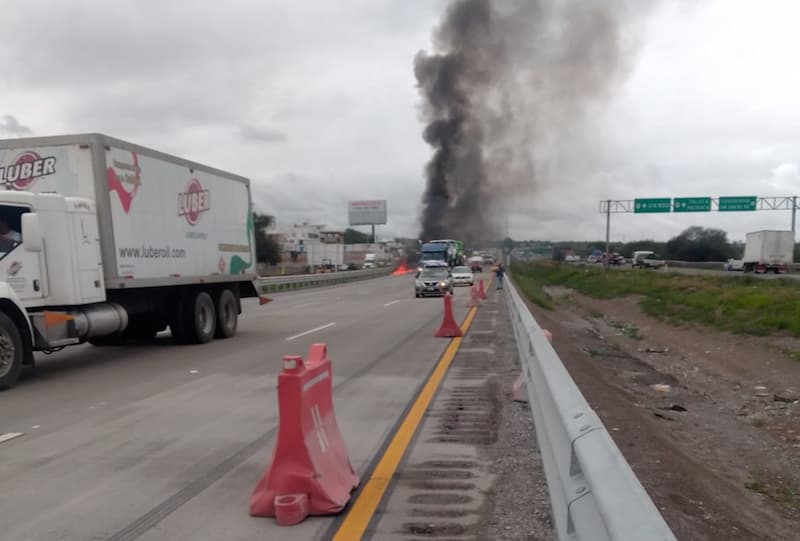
x=646, y=260
x=766, y=251
x=462, y=276
x=433, y=281
x=106, y=255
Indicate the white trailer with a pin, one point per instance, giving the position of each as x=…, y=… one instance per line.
x=113, y=242
x=766, y=251
x=322, y=255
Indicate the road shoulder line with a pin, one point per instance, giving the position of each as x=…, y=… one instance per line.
x=366, y=502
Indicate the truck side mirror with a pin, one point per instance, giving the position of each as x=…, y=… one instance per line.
x=31, y=232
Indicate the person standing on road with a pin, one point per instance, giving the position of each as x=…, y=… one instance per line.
x=500, y=272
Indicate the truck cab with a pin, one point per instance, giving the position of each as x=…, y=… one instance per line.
x=55, y=263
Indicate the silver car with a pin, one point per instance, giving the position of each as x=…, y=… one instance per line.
x=433, y=281
x=462, y=276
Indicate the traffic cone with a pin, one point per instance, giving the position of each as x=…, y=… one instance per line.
x=482, y=292
x=449, y=328
x=474, y=297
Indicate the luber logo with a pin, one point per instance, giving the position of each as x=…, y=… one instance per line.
x=193, y=202
x=27, y=168
x=125, y=179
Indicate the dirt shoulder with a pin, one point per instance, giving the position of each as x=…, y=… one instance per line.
x=708, y=420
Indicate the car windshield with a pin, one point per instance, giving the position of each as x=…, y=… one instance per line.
x=439, y=274
x=461, y=270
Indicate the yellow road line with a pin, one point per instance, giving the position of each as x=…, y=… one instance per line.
x=355, y=523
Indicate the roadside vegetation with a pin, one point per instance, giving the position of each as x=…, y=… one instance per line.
x=741, y=304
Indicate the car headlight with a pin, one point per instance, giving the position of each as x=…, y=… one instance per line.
x=443, y=283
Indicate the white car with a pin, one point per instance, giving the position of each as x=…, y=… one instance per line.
x=462, y=276
x=734, y=265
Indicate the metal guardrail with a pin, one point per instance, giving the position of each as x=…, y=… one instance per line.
x=297, y=281
x=594, y=493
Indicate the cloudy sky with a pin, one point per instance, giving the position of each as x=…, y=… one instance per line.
x=316, y=102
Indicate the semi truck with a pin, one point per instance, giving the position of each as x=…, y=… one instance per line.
x=450, y=251
x=104, y=241
x=766, y=251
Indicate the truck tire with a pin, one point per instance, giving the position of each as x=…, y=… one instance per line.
x=227, y=307
x=196, y=319
x=11, y=352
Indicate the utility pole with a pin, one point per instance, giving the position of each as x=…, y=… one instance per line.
x=608, y=232
x=373, y=234
x=794, y=214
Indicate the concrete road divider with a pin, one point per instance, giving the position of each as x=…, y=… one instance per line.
x=449, y=328
x=297, y=281
x=310, y=472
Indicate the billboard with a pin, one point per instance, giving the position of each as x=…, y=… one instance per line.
x=367, y=212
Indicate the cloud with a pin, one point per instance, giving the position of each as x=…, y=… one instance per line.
x=10, y=125
x=252, y=134
x=784, y=178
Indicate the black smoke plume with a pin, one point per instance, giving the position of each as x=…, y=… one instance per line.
x=505, y=93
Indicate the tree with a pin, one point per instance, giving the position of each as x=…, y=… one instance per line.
x=697, y=243
x=267, y=249
x=353, y=236
x=643, y=245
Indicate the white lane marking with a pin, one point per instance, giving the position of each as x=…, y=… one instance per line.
x=390, y=303
x=320, y=430
x=8, y=436
x=315, y=329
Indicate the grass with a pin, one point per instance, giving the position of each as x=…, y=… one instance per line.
x=781, y=493
x=631, y=331
x=741, y=304
x=532, y=288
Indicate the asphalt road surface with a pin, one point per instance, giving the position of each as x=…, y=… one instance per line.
x=159, y=441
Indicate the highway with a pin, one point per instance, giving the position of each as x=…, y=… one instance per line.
x=158, y=441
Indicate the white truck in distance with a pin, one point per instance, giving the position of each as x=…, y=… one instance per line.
x=766, y=251
x=114, y=242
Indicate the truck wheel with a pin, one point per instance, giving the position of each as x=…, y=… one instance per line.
x=227, y=314
x=11, y=352
x=196, y=318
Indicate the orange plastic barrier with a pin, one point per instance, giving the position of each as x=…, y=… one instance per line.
x=310, y=472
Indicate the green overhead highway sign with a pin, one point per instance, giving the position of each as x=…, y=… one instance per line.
x=662, y=204
x=691, y=204
x=737, y=203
